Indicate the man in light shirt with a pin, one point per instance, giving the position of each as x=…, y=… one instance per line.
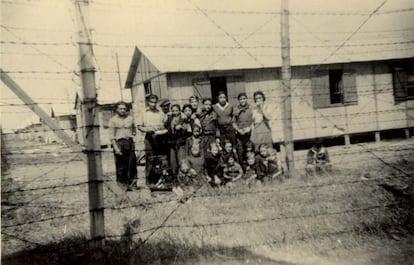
x=121, y=133
x=151, y=122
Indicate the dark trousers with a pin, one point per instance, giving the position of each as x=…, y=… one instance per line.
x=126, y=163
x=241, y=141
x=156, y=153
x=177, y=153
x=227, y=132
x=206, y=141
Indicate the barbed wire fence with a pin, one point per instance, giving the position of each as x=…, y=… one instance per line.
x=62, y=186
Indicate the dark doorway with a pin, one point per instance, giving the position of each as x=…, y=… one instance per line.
x=217, y=84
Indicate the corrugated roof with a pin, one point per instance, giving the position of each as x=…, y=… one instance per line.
x=236, y=40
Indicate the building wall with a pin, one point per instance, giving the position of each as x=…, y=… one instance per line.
x=159, y=86
x=104, y=116
x=375, y=109
x=180, y=87
x=183, y=85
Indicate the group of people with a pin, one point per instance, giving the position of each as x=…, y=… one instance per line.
x=198, y=143
x=201, y=142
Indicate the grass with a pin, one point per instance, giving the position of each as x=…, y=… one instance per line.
x=228, y=226
x=126, y=251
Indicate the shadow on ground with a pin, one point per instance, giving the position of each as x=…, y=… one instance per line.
x=78, y=251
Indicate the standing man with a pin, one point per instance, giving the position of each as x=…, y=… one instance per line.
x=243, y=124
x=225, y=118
x=151, y=122
x=121, y=132
x=163, y=142
x=165, y=105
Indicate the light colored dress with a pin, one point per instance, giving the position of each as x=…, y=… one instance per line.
x=262, y=133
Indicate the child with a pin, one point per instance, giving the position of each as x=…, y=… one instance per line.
x=194, y=140
x=249, y=147
x=208, y=120
x=268, y=165
x=213, y=164
x=228, y=150
x=189, y=119
x=318, y=159
x=194, y=103
x=197, y=160
x=248, y=150
x=158, y=173
x=274, y=166
x=232, y=171
x=187, y=177
x=166, y=180
x=250, y=170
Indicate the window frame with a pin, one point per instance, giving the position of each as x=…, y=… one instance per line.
x=338, y=86
x=321, y=86
x=406, y=86
x=147, y=88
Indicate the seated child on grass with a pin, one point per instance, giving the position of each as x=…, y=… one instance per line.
x=250, y=170
x=196, y=159
x=274, y=165
x=317, y=159
x=267, y=164
x=232, y=171
x=187, y=177
x=160, y=174
x=213, y=164
x=228, y=151
x=248, y=149
x=194, y=140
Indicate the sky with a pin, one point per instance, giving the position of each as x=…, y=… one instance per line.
x=46, y=67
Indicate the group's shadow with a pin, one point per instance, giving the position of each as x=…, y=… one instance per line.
x=126, y=250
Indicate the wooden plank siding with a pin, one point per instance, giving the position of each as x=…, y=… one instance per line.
x=367, y=104
x=183, y=85
x=145, y=70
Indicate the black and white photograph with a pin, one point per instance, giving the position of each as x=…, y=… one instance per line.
x=218, y=132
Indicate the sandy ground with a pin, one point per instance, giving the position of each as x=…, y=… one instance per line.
x=338, y=218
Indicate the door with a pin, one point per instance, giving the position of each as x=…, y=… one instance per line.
x=218, y=84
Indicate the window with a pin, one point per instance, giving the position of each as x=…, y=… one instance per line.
x=403, y=81
x=147, y=87
x=410, y=87
x=334, y=87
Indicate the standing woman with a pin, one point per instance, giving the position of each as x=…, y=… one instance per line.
x=262, y=133
x=189, y=118
x=194, y=103
x=177, y=136
x=225, y=118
